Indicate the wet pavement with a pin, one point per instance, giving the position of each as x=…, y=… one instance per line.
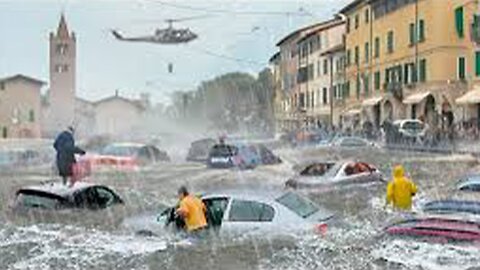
x=96, y=240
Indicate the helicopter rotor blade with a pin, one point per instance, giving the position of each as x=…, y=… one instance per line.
x=188, y=18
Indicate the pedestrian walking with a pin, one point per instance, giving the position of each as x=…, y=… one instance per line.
x=400, y=190
x=66, y=149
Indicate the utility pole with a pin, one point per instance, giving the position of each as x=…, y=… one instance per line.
x=330, y=58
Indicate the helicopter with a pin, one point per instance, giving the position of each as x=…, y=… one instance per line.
x=168, y=35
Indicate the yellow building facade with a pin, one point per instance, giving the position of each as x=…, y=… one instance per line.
x=408, y=59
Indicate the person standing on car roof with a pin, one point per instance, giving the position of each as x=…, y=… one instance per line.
x=192, y=210
x=400, y=190
x=65, y=147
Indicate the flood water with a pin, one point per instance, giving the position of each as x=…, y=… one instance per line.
x=96, y=239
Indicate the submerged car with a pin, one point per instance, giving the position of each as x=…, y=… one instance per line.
x=198, y=151
x=55, y=196
x=233, y=156
x=469, y=183
x=126, y=155
x=328, y=174
x=411, y=130
x=448, y=228
x=233, y=212
x=452, y=207
x=351, y=142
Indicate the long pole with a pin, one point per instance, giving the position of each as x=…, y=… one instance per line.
x=331, y=90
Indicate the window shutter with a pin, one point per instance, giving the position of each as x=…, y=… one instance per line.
x=412, y=34
x=477, y=63
x=459, y=24
x=421, y=31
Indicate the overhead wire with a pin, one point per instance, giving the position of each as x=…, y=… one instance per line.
x=301, y=11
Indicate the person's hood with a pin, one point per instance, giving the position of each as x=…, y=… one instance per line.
x=398, y=172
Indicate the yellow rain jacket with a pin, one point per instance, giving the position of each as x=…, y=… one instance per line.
x=400, y=190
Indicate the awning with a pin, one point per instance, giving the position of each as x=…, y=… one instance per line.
x=323, y=111
x=471, y=97
x=371, y=101
x=352, y=112
x=416, y=98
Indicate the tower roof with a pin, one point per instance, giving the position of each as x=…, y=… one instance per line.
x=62, y=30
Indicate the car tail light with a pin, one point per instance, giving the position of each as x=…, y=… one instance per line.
x=321, y=229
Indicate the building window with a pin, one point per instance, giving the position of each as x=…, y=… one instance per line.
x=390, y=42
x=325, y=66
x=348, y=25
x=376, y=79
x=412, y=34
x=312, y=98
x=461, y=68
x=4, y=132
x=423, y=70
x=358, y=86
x=367, y=15
x=421, y=31
x=62, y=48
x=31, y=116
x=377, y=47
x=366, y=84
x=477, y=63
x=357, y=55
x=324, y=96
x=367, y=52
x=459, y=23
x=357, y=21
x=61, y=68
x=406, y=73
x=349, y=58
x=346, y=92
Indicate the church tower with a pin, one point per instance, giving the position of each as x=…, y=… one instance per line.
x=61, y=96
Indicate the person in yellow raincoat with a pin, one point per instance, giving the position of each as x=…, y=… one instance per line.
x=400, y=190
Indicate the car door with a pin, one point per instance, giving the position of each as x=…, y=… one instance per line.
x=246, y=216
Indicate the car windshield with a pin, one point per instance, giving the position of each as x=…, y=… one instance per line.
x=30, y=199
x=223, y=150
x=298, y=204
x=121, y=151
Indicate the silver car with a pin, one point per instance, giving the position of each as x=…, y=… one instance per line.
x=334, y=174
x=239, y=213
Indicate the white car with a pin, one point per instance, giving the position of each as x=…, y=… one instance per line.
x=334, y=174
x=238, y=213
x=351, y=142
x=411, y=128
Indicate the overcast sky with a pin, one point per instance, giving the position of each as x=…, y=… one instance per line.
x=104, y=64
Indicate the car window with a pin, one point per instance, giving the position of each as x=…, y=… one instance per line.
x=38, y=200
x=411, y=125
x=299, y=205
x=215, y=210
x=224, y=150
x=250, y=211
x=104, y=197
x=470, y=187
x=317, y=169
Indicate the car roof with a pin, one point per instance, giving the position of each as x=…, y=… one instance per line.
x=248, y=194
x=58, y=189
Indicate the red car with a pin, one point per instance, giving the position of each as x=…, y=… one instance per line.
x=125, y=156
x=448, y=228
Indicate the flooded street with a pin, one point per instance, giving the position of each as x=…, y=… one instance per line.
x=96, y=240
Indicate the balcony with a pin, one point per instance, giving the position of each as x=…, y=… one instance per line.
x=394, y=88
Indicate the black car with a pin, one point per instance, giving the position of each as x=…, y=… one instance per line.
x=55, y=196
x=222, y=156
x=198, y=151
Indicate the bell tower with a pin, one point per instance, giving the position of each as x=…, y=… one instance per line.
x=61, y=95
